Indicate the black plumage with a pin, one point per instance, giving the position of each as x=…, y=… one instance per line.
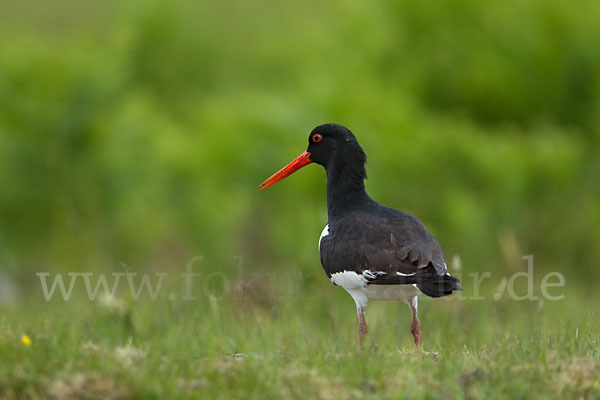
x=365, y=235
x=366, y=245
x=393, y=245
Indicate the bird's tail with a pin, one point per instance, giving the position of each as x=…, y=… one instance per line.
x=438, y=286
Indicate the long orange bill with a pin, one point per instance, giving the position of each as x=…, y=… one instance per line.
x=300, y=161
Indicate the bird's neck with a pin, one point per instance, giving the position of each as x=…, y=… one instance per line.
x=345, y=188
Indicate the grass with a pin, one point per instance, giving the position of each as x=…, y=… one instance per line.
x=265, y=345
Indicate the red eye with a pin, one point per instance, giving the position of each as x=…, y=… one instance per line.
x=317, y=138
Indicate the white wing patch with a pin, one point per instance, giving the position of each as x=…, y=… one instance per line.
x=401, y=274
x=323, y=234
x=372, y=275
x=349, y=280
x=355, y=284
x=354, y=280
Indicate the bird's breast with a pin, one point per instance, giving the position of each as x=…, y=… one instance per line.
x=324, y=233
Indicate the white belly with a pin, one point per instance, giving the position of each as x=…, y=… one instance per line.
x=391, y=292
x=361, y=292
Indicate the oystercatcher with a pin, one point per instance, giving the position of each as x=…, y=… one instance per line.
x=372, y=251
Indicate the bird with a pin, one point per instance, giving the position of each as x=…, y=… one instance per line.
x=372, y=251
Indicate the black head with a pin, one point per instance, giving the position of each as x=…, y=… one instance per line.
x=332, y=141
x=332, y=146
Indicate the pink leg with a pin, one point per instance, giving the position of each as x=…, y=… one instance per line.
x=415, y=327
x=362, y=326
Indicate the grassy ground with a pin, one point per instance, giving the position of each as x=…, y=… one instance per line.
x=255, y=344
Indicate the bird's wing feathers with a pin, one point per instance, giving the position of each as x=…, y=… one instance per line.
x=396, y=249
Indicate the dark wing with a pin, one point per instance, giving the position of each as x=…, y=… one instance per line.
x=394, y=246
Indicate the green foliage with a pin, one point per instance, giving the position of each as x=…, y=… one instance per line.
x=155, y=124
x=134, y=128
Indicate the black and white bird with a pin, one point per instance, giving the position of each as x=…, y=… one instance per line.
x=372, y=251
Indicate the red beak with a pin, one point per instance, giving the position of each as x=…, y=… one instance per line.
x=300, y=161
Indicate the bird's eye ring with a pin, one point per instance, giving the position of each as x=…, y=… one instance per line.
x=317, y=138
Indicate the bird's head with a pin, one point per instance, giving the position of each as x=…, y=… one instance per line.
x=327, y=144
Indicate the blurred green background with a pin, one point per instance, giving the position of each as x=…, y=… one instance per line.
x=137, y=132
x=134, y=134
